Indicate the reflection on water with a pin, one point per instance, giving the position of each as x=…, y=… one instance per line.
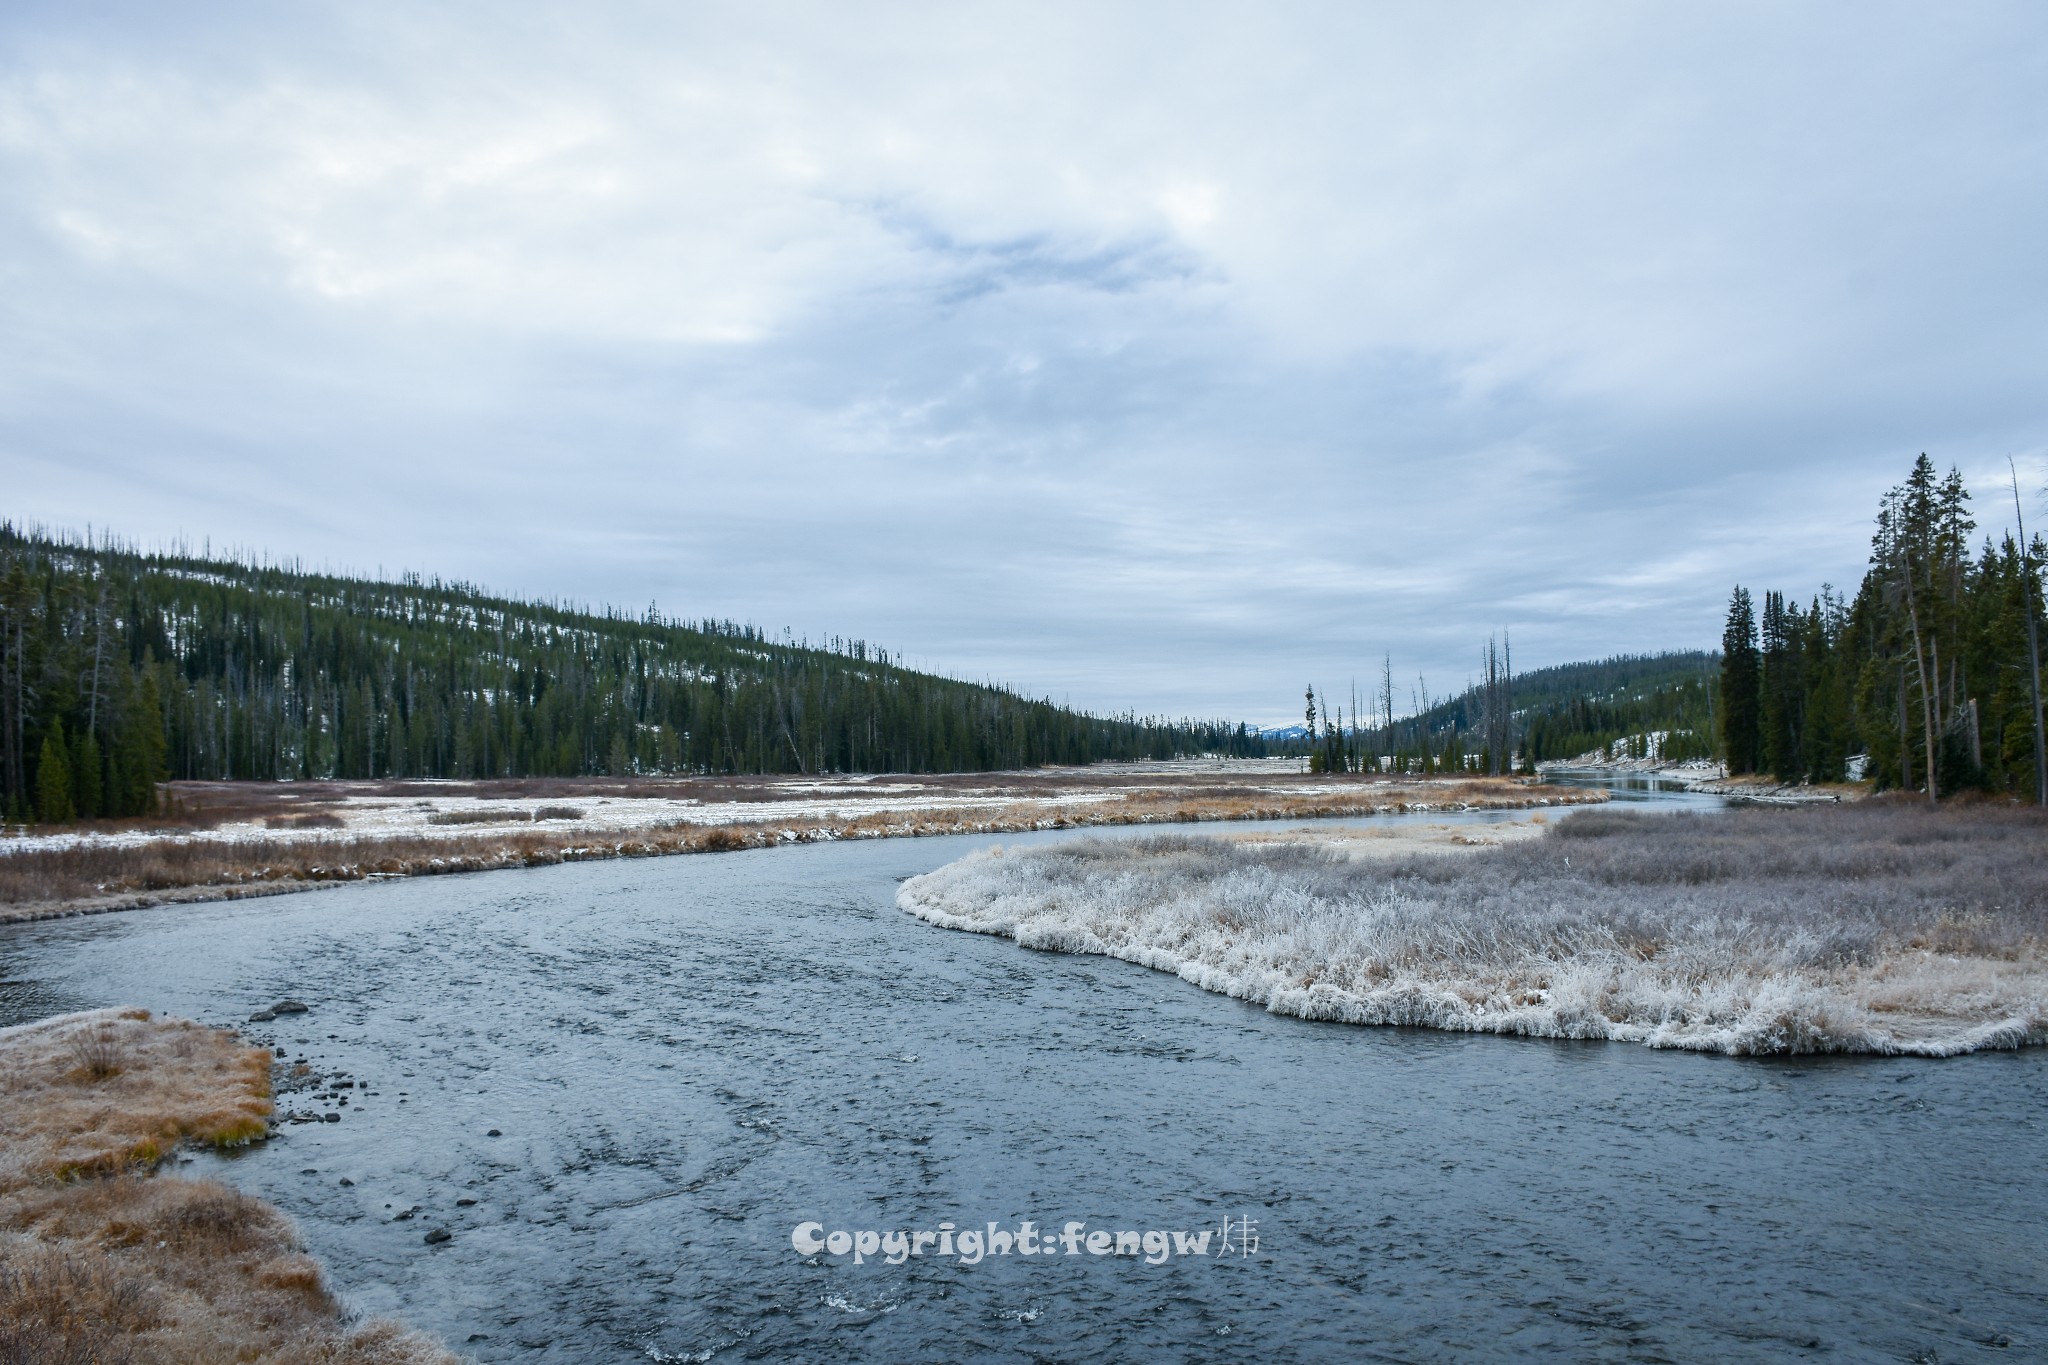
x=687, y=1057
x=1660, y=790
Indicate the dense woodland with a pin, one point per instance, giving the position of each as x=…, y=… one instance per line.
x=1929, y=675
x=1632, y=705
x=119, y=670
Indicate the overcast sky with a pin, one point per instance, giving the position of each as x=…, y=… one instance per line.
x=1166, y=357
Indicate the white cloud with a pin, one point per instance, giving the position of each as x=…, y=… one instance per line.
x=1316, y=327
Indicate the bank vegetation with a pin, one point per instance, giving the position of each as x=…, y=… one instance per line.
x=107, y=1260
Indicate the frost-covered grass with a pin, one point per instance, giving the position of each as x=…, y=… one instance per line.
x=103, y=1262
x=1875, y=927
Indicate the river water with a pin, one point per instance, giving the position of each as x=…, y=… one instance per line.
x=686, y=1058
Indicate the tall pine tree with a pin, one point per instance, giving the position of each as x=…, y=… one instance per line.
x=53, y=780
x=1741, y=685
x=1926, y=675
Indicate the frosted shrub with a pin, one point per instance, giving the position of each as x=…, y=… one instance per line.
x=1874, y=928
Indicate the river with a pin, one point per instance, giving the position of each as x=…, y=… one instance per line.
x=686, y=1058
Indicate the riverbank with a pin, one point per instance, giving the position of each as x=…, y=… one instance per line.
x=105, y=1261
x=283, y=839
x=1879, y=927
x=769, y=1041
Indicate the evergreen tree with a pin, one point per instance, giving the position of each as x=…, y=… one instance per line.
x=1311, y=733
x=144, y=750
x=1827, y=736
x=1927, y=672
x=1784, y=688
x=1741, y=684
x=53, y=780
x=85, y=778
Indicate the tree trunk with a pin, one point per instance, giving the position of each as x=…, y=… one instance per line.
x=1905, y=735
x=1926, y=696
x=2031, y=585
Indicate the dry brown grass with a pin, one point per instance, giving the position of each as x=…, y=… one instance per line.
x=100, y=1093
x=103, y=1262
x=474, y=817
x=90, y=877
x=304, y=819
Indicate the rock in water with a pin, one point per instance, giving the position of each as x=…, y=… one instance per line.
x=289, y=1007
x=436, y=1235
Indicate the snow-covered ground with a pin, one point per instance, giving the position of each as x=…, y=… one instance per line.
x=413, y=817
x=293, y=813
x=257, y=822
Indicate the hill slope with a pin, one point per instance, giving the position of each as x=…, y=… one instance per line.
x=1567, y=709
x=122, y=669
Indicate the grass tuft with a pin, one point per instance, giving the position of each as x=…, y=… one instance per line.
x=474, y=817
x=66, y=1307
x=104, y=1263
x=305, y=819
x=97, y=1050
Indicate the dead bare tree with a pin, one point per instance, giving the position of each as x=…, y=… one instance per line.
x=2032, y=585
x=1386, y=698
x=1928, y=701
x=1496, y=701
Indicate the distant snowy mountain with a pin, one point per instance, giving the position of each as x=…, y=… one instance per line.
x=1284, y=732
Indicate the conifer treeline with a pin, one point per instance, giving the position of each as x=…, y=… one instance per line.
x=119, y=670
x=1648, y=705
x=1928, y=674
x=1671, y=719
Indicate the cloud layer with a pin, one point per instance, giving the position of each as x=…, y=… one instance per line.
x=1168, y=359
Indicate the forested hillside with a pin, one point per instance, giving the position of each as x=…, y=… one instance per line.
x=1660, y=702
x=120, y=669
x=1931, y=670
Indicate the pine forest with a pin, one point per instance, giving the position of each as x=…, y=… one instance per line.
x=120, y=670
